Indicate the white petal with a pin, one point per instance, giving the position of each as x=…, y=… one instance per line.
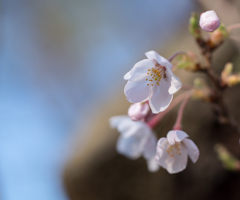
x=126, y=126
x=192, y=149
x=114, y=121
x=132, y=145
x=128, y=75
x=173, y=163
x=161, y=98
x=150, y=147
x=137, y=91
x=176, y=136
x=129, y=147
x=153, y=55
x=175, y=82
x=152, y=164
x=139, y=70
x=163, y=141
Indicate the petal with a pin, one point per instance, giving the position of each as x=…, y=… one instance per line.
x=129, y=147
x=152, y=164
x=163, y=141
x=139, y=70
x=137, y=91
x=150, y=147
x=174, y=161
x=153, y=55
x=132, y=145
x=116, y=120
x=192, y=149
x=175, y=83
x=126, y=126
x=161, y=98
x=128, y=75
x=176, y=136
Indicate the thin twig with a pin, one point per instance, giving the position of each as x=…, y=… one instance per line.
x=157, y=118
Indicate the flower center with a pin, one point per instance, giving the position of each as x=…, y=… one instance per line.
x=173, y=150
x=154, y=75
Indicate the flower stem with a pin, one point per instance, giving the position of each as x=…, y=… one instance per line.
x=157, y=118
x=178, y=125
x=176, y=54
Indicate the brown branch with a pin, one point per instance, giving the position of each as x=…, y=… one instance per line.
x=224, y=116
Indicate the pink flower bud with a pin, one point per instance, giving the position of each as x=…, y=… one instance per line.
x=138, y=111
x=209, y=21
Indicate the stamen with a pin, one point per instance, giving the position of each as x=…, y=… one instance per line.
x=173, y=150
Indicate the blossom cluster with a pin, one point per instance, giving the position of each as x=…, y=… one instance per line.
x=150, y=87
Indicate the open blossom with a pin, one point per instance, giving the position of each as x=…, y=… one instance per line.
x=152, y=80
x=138, y=111
x=209, y=21
x=173, y=151
x=136, y=139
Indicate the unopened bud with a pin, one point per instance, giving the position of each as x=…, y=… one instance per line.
x=227, y=71
x=193, y=25
x=138, y=111
x=227, y=77
x=219, y=35
x=233, y=80
x=209, y=21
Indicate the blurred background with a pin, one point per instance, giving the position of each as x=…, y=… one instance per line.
x=61, y=78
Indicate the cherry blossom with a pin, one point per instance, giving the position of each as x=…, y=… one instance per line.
x=152, y=80
x=136, y=139
x=173, y=151
x=209, y=21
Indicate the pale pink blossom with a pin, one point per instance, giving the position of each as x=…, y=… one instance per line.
x=138, y=111
x=152, y=80
x=173, y=151
x=136, y=139
x=209, y=21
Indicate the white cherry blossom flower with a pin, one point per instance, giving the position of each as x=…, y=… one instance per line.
x=173, y=151
x=152, y=79
x=209, y=21
x=136, y=139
